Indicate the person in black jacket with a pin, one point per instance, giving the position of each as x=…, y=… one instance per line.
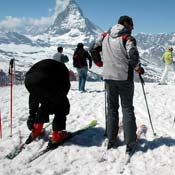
x=48, y=84
x=80, y=57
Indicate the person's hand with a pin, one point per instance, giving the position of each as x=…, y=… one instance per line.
x=30, y=123
x=140, y=70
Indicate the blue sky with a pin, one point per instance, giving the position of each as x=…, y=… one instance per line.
x=150, y=16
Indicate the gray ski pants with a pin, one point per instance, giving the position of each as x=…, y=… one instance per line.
x=124, y=90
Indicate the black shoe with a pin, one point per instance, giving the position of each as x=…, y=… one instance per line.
x=114, y=144
x=110, y=145
x=130, y=148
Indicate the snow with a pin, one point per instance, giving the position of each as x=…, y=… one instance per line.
x=86, y=154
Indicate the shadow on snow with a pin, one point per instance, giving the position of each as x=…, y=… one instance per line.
x=88, y=138
x=156, y=143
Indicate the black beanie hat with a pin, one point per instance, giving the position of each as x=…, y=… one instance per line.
x=80, y=45
x=123, y=19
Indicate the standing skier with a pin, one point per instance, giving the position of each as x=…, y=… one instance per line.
x=80, y=57
x=60, y=57
x=48, y=84
x=167, y=58
x=120, y=58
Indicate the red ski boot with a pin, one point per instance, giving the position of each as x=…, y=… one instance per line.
x=57, y=138
x=36, y=131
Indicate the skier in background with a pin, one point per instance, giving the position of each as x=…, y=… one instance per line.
x=60, y=57
x=80, y=57
x=48, y=84
x=167, y=58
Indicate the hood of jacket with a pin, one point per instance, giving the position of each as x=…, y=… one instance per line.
x=118, y=30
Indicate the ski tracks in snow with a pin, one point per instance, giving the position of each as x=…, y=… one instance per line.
x=85, y=153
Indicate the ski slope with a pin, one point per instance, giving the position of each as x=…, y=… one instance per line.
x=86, y=153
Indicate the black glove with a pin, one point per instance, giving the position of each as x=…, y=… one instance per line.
x=30, y=122
x=140, y=70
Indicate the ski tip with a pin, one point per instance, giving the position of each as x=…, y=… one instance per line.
x=141, y=130
x=94, y=122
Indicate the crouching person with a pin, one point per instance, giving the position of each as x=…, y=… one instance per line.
x=48, y=84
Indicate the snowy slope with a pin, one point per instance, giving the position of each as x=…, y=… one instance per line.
x=86, y=154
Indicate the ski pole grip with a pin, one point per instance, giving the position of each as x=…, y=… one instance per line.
x=11, y=63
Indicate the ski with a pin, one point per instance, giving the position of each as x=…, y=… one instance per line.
x=19, y=148
x=47, y=149
x=141, y=132
x=16, y=150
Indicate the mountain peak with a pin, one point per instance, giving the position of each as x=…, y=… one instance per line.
x=70, y=19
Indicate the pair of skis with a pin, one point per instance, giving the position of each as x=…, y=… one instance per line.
x=16, y=151
x=141, y=132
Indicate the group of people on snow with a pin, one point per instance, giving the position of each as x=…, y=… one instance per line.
x=48, y=84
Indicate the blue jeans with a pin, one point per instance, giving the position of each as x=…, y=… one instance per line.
x=82, y=73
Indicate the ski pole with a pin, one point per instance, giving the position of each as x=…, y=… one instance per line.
x=11, y=64
x=98, y=75
x=143, y=83
x=105, y=134
x=0, y=126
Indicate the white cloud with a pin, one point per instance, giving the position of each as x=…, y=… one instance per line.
x=42, y=21
x=14, y=23
x=11, y=22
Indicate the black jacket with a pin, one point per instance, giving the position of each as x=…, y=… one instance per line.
x=80, y=57
x=49, y=75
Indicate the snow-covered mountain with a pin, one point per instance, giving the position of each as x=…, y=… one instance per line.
x=69, y=28
x=151, y=48
x=14, y=37
x=72, y=20
x=17, y=38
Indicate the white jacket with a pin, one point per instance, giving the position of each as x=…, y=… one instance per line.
x=119, y=58
x=60, y=57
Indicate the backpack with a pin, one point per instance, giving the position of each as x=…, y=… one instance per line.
x=78, y=58
x=95, y=50
x=96, y=56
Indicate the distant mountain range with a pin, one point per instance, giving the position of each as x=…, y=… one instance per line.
x=70, y=27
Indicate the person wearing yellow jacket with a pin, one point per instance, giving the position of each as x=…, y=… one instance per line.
x=167, y=58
